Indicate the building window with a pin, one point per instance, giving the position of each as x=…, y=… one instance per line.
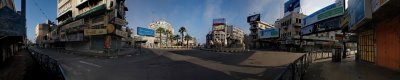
x=300, y=21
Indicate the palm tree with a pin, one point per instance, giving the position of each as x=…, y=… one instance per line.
x=169, y=35
x=177, y=37
x=182, y=30
x=187, y=38
x=160, y=31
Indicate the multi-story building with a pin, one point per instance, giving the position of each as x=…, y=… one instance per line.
x=92, y=25
x=255, y=26
x=167, y=27
x=220, y=37
x=290, y=27
x=235, y=35
x=43, y=33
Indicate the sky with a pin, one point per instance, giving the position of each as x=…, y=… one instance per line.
x=195, y=15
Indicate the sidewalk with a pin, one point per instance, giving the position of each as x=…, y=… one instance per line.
x=349, y=69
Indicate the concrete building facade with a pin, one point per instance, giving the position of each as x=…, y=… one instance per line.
x=92, y=25
x=235, y=35
x=256, y=25
x=377, y=32
x=290, y=27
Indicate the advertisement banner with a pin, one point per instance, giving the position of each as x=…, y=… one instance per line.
x=254, y=18
x=219, y=27
x=328, y=25
x=307, y=30
x=292, y=6
x=359, y=12
x=89, y=32
x=330, y=11
x=145, y=32
x=269, y=33
x=219, y=21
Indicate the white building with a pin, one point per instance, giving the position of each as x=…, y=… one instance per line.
x=167, y=26
x=235, y=35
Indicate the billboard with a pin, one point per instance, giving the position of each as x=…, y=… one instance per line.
x=322, y=26
x=307, y=30
x=145, y=32
x=269, y=33
x=359, y=12
x=219, y=24
x=254, y=18
x=220, y=27
x=333, y=10
x=292, y=6
x=219, y=21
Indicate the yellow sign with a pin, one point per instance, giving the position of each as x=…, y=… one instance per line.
x=121, y=33
x=110, y=28
x=88, y=32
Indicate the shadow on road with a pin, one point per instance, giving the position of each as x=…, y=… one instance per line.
x=225, y=58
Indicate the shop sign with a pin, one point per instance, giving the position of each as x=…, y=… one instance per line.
x=76, y=23
x=119, y=21
x=121, y=33
x=89, y=32
x=110, y=28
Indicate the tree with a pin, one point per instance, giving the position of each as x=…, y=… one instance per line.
x=182, y=30
x=169, y=35
x=187, y=38
x=160, y=31
x=177, y=37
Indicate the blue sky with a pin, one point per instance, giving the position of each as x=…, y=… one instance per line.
x=195, y=15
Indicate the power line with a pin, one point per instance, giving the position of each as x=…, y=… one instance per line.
x=44, y=14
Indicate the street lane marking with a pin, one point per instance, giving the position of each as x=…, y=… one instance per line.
x=92, y=64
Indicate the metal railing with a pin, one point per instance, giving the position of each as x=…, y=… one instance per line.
x=50, y=65
x=318, y=55
x=296, y=69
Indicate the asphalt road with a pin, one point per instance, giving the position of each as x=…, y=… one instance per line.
x=154, y=64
